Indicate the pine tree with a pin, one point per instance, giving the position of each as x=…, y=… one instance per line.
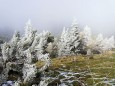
x=99, y=43
x=112, y=42
x=108, y=43
x=74, y=37
x=88, y=42
x=22, y=50
x=62, y=46
x=87, y=36
x=104, y=44
x=69, y=41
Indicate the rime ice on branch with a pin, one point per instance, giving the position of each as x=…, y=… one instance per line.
x=69, y=41
x=21, y=53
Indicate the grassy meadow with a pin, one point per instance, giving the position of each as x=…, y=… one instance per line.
x=99, y=71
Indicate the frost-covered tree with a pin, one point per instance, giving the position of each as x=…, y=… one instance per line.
x=63, y=48
x=69, y=41
x=1, y=42
x=74, y=38
x=108, y=43
x=88, y=42
x=87, y=36
x=99, y=43
x=112, y=42
x=22, y=52
x=104, y=44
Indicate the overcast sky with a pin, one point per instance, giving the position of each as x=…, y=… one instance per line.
x=53, y=15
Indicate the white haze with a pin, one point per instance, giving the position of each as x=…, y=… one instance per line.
x=53, y=15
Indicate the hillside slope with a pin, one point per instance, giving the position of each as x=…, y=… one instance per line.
x=79, y=70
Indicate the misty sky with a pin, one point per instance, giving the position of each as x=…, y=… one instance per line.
x=53, y=15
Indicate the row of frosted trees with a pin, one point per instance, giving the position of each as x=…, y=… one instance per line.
x=22, y=52
x=73, y=42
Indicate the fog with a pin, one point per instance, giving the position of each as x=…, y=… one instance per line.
x=53, y=15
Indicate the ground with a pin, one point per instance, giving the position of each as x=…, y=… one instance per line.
x=79, y=70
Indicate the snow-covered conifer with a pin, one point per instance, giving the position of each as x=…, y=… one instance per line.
x=87, y=36
x=108, y=43
x=88, y=42
x=112, y=42
x=99, y=43
x=23, y=50
x=62, y=46
x=69, y=41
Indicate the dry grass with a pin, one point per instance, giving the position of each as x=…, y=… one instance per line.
x=101, y=65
